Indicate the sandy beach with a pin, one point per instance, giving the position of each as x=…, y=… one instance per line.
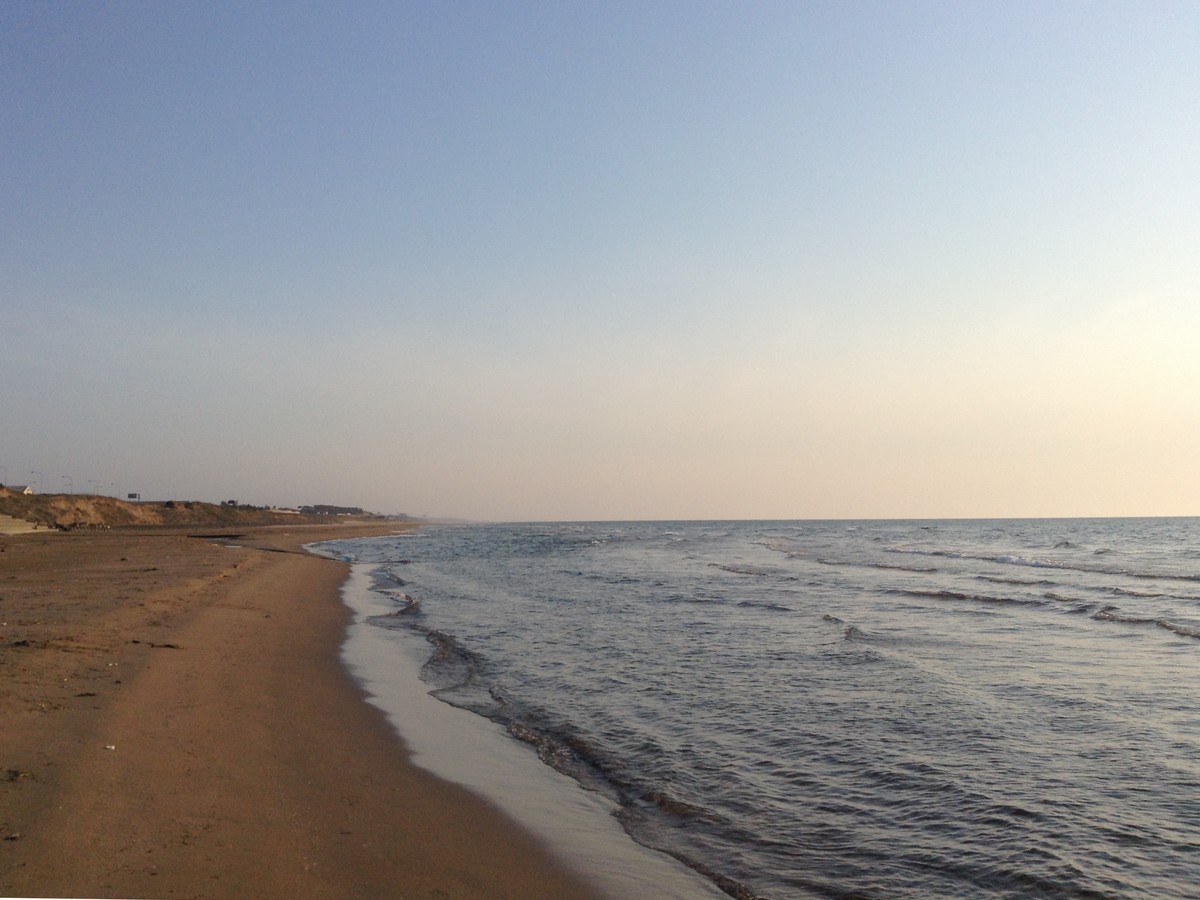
x=177, y=723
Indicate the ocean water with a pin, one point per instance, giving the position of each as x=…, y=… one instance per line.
x=840, y=709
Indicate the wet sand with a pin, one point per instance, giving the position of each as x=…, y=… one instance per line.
x=176, y=722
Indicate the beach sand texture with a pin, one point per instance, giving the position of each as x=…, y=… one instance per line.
x=175, y=721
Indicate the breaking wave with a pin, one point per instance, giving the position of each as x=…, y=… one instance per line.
x=1038, y=562
x=1110, y=614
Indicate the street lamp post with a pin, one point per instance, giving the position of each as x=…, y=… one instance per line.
x=70, y=482
x=95, y=485
x=39, y=481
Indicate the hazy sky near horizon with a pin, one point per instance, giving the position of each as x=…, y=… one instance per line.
x=605, y=260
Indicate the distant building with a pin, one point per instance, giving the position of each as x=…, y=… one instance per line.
x=20, y=489
x=322, y=509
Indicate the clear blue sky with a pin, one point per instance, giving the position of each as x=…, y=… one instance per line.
x=605, y=260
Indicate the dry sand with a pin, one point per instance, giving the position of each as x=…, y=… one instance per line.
x=175, y=721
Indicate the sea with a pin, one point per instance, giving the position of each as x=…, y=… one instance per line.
x=874, y=709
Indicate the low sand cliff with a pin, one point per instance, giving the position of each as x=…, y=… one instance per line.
x=75, y=511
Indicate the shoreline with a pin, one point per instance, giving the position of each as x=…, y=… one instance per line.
x=179, y=722
x=580, y=826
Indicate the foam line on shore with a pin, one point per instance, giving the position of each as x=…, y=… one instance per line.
x=469, y=750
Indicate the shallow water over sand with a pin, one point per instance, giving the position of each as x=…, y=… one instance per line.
x=468, y=750
x=891, y=709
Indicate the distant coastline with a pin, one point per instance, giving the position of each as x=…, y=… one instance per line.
x=74, y=512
